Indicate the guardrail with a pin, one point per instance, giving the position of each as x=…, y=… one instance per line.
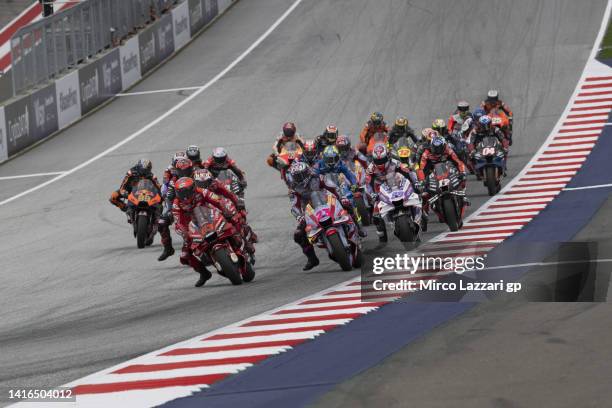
x=45, y=49
x=37, y=114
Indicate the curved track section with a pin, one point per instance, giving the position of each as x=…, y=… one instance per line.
x=78, y=297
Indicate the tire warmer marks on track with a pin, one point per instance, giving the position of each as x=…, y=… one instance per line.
x=190, y=366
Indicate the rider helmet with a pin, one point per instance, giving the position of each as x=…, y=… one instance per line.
x=203, y=178
x=478, y=113
x=485, y=122
x=144, y=166
x=310, y=151
x=343, y=143
x=331, y=134
x=380, y=156
x=219, y=155
x=426, y=133
x=300, y=172
x=289, y=129
x=401, y=124
x=193, y=154
x=438, y=145
x=178, y=155
x=439, y=126
x=492, y=97
x=184, y=168
x=376, y=118
x=463, y=107
x=185, y=189
x=331, y=156
x=403, y=154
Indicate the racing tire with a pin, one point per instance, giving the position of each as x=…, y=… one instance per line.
x=363, y=211
x=249, y=273
x=229, y=268
x=403, y=228
x=358, y=261
x=142, y=230
x=491, y=180
x=339, y=253
x=450, y=214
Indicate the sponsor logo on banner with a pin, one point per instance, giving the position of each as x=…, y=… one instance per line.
x=109, y=73
x=180, y=16
x=68, y=99
x=165, y=38
x=3, y=148
x=147, y=48
x=210, y=10
x=130, y=63
x=44, y=107
x=89, y=87
x=196, y=16
x=18, y=127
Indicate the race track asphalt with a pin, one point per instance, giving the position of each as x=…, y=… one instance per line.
x=76, y=294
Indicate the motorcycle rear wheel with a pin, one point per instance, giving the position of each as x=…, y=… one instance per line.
x=142, y=231
x=229, y=268
x=339, y=253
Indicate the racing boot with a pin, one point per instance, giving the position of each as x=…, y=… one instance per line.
x=205, y=275
x=424, y=221
x=168, y=251
x=312, y=259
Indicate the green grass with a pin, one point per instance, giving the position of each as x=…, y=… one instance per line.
x=606, y=45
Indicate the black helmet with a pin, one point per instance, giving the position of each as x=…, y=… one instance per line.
x=193, y=154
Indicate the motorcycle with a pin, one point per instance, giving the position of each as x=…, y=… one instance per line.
x=446, y=199
x=489, y=159
x=290, y=152
x=399, y=205
x=213, y=241
x=329, y=226
x=144, y=206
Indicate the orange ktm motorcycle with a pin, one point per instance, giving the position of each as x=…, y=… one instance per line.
x=144, y=209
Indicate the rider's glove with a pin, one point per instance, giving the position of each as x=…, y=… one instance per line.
x=243, y=183
x=300, y=219
x=345, y=203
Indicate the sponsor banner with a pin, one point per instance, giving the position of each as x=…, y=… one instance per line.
x=180, y=17
x=156, y=44
x=89, y=87
x=109, y=75
x=196, y=16
x=44, y=109
x=165, y=37
x=210, y=10
x=147, y=46
x=3, y=148
x=130, y=63
x=68, y=99
x=18, y=118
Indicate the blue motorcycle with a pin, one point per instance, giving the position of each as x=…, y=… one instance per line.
x=489, y=163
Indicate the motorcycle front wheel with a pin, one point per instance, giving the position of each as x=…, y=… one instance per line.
x=403, y=228
x=142, y=230
x=450, y=214
x=339, y=253
x=229, y=268
x=491, y=180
